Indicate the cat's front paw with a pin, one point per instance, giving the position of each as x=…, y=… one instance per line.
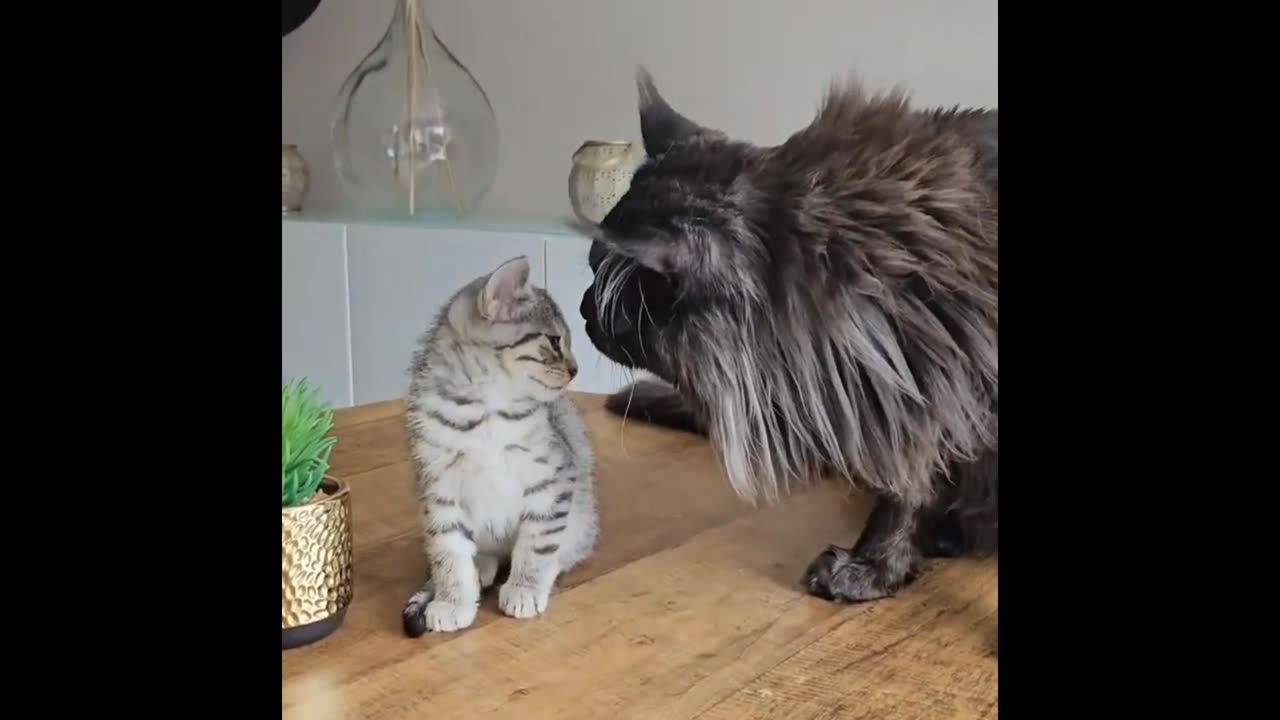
x=837, y=574
x=414, y=615
x=522, y=601
x=449, y=617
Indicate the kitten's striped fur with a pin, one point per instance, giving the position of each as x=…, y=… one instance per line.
x=503, y=463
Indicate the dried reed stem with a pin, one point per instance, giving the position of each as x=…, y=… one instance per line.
x=411, y=19
x=454, y=195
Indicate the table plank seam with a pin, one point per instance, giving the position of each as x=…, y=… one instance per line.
x=845, y=618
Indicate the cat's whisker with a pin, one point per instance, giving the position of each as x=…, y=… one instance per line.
x=622, y=431
x=641, y=314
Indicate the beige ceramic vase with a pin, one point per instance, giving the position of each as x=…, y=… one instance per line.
x=294, y=179
x=601, y=175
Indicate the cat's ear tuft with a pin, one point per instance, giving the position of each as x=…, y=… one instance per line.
x=660, y=125
x=503, y=292
x=660, y=252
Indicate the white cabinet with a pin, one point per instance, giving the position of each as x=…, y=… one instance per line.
x=356, y=297
x=315, y=337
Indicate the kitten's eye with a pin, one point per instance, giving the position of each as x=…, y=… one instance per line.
x=555, y=341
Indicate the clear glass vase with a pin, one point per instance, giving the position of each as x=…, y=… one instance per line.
x=413, y=132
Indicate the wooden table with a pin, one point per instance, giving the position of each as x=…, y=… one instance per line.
x=691, y=607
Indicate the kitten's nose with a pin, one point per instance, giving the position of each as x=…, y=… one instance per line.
x=572, y=369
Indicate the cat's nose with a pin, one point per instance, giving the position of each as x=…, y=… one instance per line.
x=572, y=369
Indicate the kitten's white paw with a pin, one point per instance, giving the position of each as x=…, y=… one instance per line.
x=520, y=601
x=448, y=617
x=487, y=569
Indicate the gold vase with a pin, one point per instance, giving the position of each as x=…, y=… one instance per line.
x=316, y=557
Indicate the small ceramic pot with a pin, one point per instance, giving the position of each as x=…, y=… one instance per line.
x=316, y=573
x=601, y=175
x=294, y=179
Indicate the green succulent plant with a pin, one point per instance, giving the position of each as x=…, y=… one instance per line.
x=306, y=441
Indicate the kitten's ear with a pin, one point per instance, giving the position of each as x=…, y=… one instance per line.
x=503, y=292
x=660, y=125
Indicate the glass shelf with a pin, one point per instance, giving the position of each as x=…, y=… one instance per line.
x=479, y=222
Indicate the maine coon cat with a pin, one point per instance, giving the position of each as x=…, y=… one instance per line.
x=825, y=307
x=504, y=467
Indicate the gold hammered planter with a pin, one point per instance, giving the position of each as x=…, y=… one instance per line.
x=316, y=574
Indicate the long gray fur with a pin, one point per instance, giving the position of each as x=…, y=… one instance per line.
x=825, y=307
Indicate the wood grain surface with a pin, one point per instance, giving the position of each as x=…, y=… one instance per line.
x=691, y=607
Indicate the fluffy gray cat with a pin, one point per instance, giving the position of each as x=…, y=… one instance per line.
x=825, y=307
x=504, y=467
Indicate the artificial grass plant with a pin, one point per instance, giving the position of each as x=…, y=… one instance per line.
x=306, y=441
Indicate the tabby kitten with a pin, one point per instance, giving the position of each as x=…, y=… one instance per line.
x=504, y=467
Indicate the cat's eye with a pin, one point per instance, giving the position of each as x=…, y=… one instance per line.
x=555, y=341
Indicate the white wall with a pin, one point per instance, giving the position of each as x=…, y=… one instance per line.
x=356, y=296
x=560, y=71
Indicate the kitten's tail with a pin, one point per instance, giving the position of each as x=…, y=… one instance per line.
x=654, y=402
x=414, y=615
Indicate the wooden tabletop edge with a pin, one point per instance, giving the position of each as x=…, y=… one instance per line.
x=357, y=415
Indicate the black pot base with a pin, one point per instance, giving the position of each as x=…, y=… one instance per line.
x=296, y=637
